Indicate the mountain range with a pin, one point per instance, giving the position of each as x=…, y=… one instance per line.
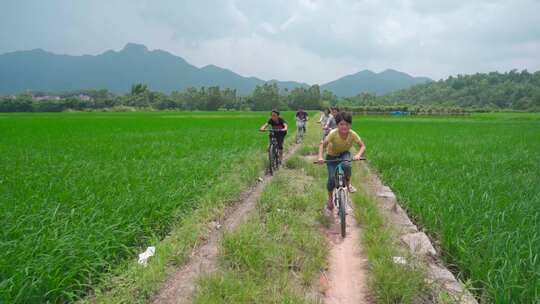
x=378, y=83
x=39, y=70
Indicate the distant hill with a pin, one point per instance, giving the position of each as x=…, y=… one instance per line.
x=38, y=70
x=367, y=81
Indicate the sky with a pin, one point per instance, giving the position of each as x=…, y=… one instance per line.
x=302, y=40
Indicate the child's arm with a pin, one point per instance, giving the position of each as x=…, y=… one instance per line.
x=322, y=146
x=361, y=148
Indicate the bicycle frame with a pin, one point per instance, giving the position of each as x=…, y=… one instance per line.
x=340, y=175
x=273, y=138
x=273, y=154
x=340, y=182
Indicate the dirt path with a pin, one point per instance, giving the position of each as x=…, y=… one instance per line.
x=346, y=278
x=180, y=286
x=347, y=273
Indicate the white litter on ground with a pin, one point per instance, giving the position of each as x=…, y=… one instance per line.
x=143, y=257
x=399, y=260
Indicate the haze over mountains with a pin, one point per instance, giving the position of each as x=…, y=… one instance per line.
x=39, y=70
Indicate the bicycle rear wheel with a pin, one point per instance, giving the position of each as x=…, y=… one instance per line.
x=342, y=203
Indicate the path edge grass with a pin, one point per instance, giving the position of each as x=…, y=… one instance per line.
x=389, y=282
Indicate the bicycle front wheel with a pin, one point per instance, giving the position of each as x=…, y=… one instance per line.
x=271, y=160
x=277, y=160
x=342, y=204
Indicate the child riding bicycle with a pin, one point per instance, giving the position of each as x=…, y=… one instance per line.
x=338, y=143
x=301, y=118
x=277, y=123
x=330, y=123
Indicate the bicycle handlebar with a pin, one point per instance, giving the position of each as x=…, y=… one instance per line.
x=339, y=160
x=272, y=130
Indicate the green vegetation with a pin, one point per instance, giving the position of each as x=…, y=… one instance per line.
x=265, y=97
x=131, y=283
x=278, y=253
x=479, y=92
x=81, y=192
x=473, y=183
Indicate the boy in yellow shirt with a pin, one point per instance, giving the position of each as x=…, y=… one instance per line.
x=338, y=143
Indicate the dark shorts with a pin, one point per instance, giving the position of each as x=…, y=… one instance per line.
x=347, y=162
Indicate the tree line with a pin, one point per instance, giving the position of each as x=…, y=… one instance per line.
x=483, y=91
x=479, y=92
x=264, y=97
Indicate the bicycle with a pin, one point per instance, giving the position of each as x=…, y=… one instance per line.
x=300, y=127
x=274, y=159
x=340, y=194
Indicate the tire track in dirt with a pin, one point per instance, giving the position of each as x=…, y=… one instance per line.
x=180, y=286
x=346, y=279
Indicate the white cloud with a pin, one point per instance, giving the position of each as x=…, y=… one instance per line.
x=265, y=58
x=303, y=40
x=287, y=23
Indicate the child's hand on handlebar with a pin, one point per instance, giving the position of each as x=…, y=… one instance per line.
x=357, y=157
x=320, y=161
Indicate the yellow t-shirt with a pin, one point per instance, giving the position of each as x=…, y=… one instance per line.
x=338, y=145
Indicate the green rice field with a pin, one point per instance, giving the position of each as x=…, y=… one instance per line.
x=474, y=184
x=82, y=192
